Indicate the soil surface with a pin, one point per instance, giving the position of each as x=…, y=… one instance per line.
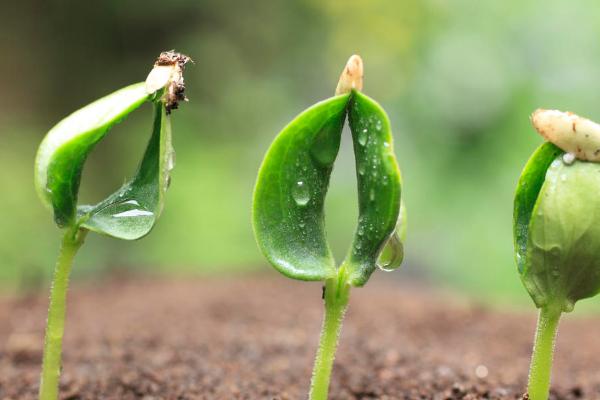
x=255, y=338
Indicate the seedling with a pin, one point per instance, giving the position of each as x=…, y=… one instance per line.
x=130, y=212
x=289, y=197
x=557, y=229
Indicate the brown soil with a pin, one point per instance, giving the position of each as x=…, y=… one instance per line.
x=255, y=339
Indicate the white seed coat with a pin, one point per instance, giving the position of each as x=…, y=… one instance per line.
x=161, y=76
x=351, y=77
x=570, y=132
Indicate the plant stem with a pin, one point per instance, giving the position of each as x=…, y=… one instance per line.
x=543, y=351
x=336, y=300
x=72, y=241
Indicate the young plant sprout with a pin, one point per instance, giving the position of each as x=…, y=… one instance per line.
x=289, y=198
x=557, y=229
x=130, y=212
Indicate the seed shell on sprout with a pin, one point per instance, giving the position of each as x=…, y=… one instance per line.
x=351, y=77
x=573, y=134
x=168, y=73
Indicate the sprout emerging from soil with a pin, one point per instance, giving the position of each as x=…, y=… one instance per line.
x=130, y=212
x=557, y=229
x=289, y=198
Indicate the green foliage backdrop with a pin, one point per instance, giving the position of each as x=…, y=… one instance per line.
x=458, y=78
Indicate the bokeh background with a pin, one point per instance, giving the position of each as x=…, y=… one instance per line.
x=458, y=78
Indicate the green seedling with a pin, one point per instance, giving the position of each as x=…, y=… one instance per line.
x=557, y=229
x=130, y=212
x=289, y=197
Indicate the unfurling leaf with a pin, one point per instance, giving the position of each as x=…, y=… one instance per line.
x=62, y=153
x=131, y=211
x=289, y=197
x=292, y=183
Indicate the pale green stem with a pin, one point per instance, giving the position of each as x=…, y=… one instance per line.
x=72, y=241
x=336, y=300
x=543, y=351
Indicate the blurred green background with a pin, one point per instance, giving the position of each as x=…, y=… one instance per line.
x=458, y=78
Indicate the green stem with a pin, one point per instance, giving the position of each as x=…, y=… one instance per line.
x=72, y=241
x=543, y=351
x=336, y=300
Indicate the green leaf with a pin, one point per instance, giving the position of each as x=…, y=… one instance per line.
x=290, y=191
x=62, y=153
x=562, y=264
x=131, y=212
x=379, y=191
x=528, y=188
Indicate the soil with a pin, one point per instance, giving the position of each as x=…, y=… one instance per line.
x=255, y=338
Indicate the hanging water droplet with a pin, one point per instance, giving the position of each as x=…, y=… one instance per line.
x=362, y=137
x=391, y=255
x=568, y=305
x=300, y=193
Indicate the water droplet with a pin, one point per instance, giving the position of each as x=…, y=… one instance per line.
x=568, y=158
x=300, y=193
x=372, y=194
x=563, y=177
x=555, y=164
x=392, y=254
x=362, y=137
x=378, y=125
x=134, y=213
x=325, y=147
x=171, y=160
x=386, y=144
x=358, y=245
x=569, y=305
x=361, y=168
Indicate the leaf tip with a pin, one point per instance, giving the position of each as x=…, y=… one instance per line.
x=351, y=77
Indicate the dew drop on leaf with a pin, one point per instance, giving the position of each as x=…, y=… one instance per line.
x=171, y=161
x=300, y=193
x=392, y=254
x=361, y=168
x=362, y=137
